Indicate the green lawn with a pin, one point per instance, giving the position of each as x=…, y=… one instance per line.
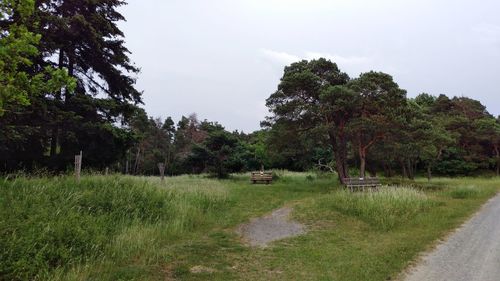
x=125, y=228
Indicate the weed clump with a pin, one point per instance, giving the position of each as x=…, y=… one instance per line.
x=464, y=192
x=384, y=209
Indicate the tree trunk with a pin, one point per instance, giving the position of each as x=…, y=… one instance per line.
x=362, y=160
x=403, y=166
x=339, y=146
x=411, y=175
x=429, y=172
x=55, y=129
x=53, y=141
x=340, y=167
x=136, y=165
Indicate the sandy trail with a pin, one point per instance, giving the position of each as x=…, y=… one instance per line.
x=472, y=253
x=275, y=226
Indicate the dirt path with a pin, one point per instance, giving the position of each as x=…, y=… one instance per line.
x=272, y=227
x=472, y=253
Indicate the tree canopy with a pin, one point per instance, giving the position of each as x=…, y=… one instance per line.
x=53, y=41
x=18, y=48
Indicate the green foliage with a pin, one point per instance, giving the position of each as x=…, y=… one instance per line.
x=381, y=103
x=18, y=46
x=453, y=163
x=318, y=109
x=311, y=100
x=218, y=154
x=76, y=104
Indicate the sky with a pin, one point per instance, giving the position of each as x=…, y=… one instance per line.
x=221, y=59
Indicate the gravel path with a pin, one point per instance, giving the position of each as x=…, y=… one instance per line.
x=472, y=253
x=275, y=226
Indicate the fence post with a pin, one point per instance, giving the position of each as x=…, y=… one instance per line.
x=78, y=166
x=161, y=167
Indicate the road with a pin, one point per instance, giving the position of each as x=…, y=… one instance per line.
x=472, y=253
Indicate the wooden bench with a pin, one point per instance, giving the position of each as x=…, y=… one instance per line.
x=262, y=177
x=362, y=183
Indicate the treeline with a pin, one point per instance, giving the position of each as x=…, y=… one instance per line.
x=190, y=146
x=369, y=123
x=67, y=85
x=364, y=124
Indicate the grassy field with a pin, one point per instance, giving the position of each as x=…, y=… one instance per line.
x=126, y=228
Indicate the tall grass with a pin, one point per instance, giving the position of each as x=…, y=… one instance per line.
x=53, y=224
x=464, y=188
x=384, y=209
x=131, y=228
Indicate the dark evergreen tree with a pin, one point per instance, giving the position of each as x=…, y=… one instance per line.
x=85, y=39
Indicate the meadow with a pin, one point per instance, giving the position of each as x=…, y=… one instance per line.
x=139, y=228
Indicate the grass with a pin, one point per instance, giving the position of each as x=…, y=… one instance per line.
x=130, y=228
x=56, y=224
x=383, y=209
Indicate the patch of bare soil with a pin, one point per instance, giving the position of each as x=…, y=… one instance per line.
x=259, y=232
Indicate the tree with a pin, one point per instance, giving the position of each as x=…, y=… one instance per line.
x=217, y=154
x=380, y=104
x=489, y=132
x=18, y=47
x=434, y=141
x=433, y=138
x=459, y=116
x=82, y=38
x=85, y=38
x=312, y=95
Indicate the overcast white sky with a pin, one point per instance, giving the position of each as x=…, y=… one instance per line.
x=223, y=58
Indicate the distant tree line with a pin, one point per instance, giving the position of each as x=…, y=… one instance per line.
x=190, y=146
x=369, y=123
x=67, y=84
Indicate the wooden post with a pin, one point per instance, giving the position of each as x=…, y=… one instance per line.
x=161, y=167
x=136, y=165
x=106, y=171
x=78, y=165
